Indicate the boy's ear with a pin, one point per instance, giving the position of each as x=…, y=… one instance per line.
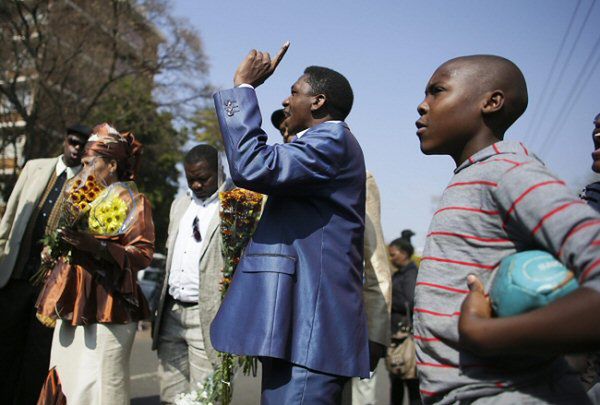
x=494, y=102
x=318, y=102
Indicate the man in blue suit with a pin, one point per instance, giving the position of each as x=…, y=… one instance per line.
x=296, y=297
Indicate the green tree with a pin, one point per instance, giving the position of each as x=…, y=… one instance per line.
x=127, y=62
x=205, y=127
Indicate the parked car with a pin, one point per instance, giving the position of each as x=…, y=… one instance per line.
x=151, y=278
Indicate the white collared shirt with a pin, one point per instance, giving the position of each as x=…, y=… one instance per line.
x=61, y=167
x=299, y=134
x=184, y=277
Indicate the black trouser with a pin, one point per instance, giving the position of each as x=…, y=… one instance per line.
x=24, y=345
x=397, y=390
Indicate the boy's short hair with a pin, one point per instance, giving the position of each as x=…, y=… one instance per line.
x=336, y=88
x=202, y=152
x=492, y=72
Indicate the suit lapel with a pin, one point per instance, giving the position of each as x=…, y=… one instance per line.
x=210, y=232
x=180, y=210
x=41, y=178
x=214, y=224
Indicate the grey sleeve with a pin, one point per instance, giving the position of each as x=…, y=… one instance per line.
x=540, y=212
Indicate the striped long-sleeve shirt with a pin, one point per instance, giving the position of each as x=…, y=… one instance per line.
x=591, y=195
x=500, y=201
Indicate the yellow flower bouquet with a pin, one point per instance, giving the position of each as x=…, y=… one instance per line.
x=109, y=212
x=90, y=207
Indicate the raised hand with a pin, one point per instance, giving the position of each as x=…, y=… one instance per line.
x=258, y=66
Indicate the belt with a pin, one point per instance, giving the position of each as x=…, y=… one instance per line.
x=181, y=303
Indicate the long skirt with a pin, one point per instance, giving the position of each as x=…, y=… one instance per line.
x=92, y=362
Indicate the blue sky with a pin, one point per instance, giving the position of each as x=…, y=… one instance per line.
x=389, y=49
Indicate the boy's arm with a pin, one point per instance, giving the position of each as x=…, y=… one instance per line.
x=539, y=211
x=568, y=325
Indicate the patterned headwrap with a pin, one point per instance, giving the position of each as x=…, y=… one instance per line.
x=107, y=142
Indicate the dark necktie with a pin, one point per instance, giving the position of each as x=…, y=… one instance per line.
x=41, y=221
x=196, y=229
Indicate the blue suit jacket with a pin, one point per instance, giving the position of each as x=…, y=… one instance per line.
x=297, y=291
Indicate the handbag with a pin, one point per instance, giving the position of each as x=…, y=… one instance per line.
x=401, y=357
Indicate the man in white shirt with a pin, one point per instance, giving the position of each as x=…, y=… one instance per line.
x=191, y=292
x=31, y=212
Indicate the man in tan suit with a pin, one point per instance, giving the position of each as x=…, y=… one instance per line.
x=377, y=290
x=191, y=294
x=24, y=342
x=377, y=287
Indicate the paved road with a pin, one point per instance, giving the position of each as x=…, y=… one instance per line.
x=144, y=380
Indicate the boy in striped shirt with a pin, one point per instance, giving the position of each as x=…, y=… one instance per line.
x=501, y=200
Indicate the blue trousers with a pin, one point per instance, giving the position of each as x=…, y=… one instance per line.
x=291, y=384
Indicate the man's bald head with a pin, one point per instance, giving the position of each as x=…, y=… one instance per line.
x=489, y=73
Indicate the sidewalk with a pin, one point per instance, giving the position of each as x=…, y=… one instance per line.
x=144, y=378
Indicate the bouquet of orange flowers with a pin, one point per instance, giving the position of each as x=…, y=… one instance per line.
x=240, y=211
x=79, y=193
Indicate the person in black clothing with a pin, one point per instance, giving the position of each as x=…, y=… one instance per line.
x=403, y=294
x=31, y=213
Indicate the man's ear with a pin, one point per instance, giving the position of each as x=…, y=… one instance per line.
x=494, y=101
x=318, y=101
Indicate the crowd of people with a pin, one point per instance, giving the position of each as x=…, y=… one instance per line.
x=317, y=295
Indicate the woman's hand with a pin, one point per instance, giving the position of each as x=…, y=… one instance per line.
x=46, y=256
x=80, y=240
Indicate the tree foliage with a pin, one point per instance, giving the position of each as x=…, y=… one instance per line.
x=127, y=62
x=205, y=127
x=59, y=59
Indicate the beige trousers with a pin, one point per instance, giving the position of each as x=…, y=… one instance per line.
x=93, y=362
x=359, y=391
x=183, y=365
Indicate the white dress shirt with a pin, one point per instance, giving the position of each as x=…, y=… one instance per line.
x=61, y=167
x=184, y=277
x=299, y=134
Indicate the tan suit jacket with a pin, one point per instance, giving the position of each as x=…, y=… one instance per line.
x=22, y=202
x=377, y=290
x=211, y=264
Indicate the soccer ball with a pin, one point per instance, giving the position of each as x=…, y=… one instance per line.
x=529, y=280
